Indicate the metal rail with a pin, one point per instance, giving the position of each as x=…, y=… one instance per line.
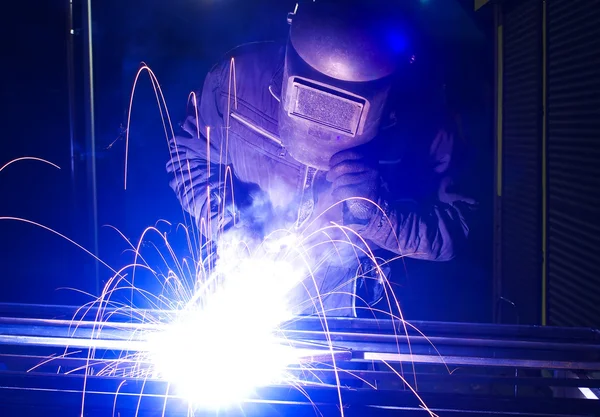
x=457, y=369
x=365, y=345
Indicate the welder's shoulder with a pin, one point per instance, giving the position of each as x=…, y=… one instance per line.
x=255, y=63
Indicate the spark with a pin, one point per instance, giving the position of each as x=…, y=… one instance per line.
x=213, y=330
x=26, y=158
x=245, y=297
x=222, y=342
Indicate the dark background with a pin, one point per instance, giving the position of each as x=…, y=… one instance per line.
x=180, y=40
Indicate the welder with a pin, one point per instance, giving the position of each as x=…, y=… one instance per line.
x=307, y=129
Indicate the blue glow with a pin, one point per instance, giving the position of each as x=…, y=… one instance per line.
x=397, y=40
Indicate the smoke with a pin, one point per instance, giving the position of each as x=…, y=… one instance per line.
x=324, y=256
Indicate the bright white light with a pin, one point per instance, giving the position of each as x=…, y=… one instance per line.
x=588, y=393
x=218, y=350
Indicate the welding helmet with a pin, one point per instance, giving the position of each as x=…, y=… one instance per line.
x=339, y=63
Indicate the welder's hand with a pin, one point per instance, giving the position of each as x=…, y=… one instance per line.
x=253, y=213
x=355, y=178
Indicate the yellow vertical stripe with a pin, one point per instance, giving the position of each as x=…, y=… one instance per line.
x=544, y=182
x=499, y=89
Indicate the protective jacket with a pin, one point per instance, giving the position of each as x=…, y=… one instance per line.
x=229, y=141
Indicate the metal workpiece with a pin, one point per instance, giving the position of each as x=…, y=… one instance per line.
x=455, y=368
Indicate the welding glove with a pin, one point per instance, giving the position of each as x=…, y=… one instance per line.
x=355, y=177
x=254, y=214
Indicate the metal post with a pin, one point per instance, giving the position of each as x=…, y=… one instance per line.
x=498, y=75
x=544, y=313
x=90, y=130
x=71, y=33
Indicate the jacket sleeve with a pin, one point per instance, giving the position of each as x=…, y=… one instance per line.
x=433, y=228
x=201, y=173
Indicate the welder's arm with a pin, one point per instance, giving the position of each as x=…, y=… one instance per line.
x=432, y=229
x=431, y=232
x=198, y=160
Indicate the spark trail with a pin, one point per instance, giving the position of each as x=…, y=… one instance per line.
x=228, y=288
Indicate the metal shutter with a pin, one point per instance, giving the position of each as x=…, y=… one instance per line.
x=573, y=158
x=521, y=218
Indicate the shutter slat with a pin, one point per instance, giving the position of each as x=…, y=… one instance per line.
x=521, y=185
x=573, y=152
